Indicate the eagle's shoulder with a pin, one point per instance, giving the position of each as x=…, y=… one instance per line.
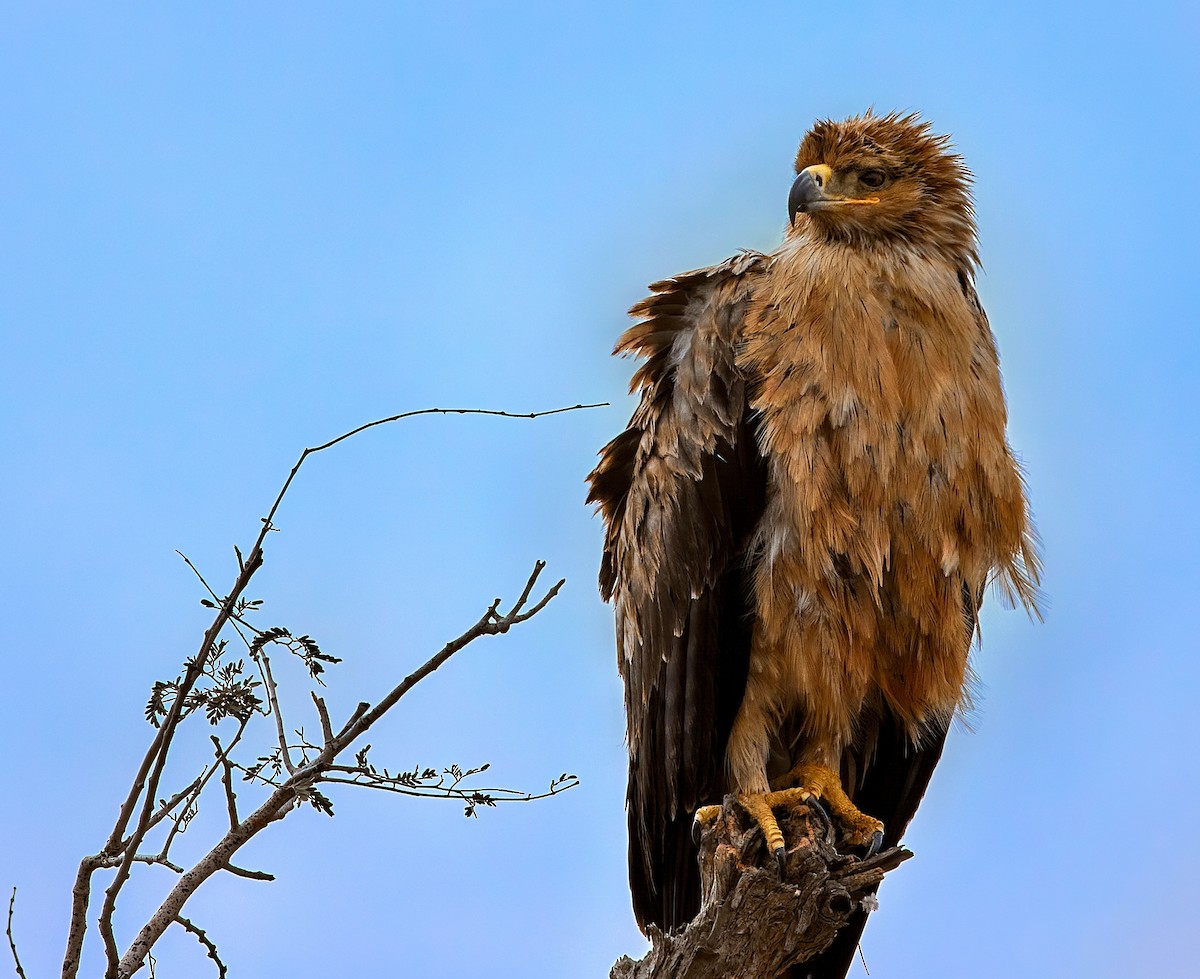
x=693, y=399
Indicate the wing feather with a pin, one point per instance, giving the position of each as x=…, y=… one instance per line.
x=680, y=491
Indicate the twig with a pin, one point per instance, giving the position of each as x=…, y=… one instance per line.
x=204, y=940
x=235, y=620
x=384, y=784
x=273, y=703
x=178, y=825
x=248, y=874
x=490, y=624
x=417, y=783
x=177, y=798
x=358, y=712
x=227, y=780
x=155, y=859
x=323, y=714
x=11, y=943
x=268, y=521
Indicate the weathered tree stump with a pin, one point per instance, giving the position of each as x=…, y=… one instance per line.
x=753, y=923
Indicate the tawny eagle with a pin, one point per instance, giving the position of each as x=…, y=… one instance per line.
x=806, y=508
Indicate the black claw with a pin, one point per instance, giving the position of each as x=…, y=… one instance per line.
x=781, y=861
x=876, y=843
x=817, y=809
x=697, y=831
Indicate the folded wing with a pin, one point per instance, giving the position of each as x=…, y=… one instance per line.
x=681, y=491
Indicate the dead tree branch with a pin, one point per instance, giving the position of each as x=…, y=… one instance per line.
x=301, y=784
x=220, y=688
x=752, y=921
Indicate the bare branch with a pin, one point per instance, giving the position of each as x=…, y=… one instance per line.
x=178, y=825
x=248, y=874
x=204, y=940
x=323, y=714
x=138, y=813
x=268, y=521
x=12, y=945
x=491, y=623
x=273, y=702
x=234, y=619
x=278, y=804
x=301, y=783
x=196, y=571
x=361, y=708
x=77, y=927
x=156, y=859
x=168, y=806
x=513, y=619
x=227, y=781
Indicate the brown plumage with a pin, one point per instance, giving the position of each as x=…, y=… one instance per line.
x=808, y=504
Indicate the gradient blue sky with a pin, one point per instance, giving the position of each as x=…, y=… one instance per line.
x=229, y=231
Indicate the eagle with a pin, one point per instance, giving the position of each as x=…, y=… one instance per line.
x=802, y=517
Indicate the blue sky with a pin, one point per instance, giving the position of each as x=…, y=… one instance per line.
x=230, y=231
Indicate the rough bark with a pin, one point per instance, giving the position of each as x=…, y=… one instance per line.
x=754, y=922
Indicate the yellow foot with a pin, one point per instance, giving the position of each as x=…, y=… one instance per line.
x=705, y=816
x=819, y=782
x=804, y=785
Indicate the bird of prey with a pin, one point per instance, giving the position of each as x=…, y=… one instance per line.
x=805, y=510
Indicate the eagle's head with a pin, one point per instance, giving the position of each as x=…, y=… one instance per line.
x=883, y=179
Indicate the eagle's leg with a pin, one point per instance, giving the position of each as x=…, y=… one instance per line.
x=818, y=782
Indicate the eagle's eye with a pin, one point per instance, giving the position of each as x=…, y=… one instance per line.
x=872, y=178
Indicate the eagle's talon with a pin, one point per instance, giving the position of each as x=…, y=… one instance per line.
x=781, y=861
x=703, y=817
x=828, y=828
x=875, y=845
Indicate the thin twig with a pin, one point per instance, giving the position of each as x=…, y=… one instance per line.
x=234, y=619
x=227, y=779
x=323, y=714
x=178, y=825
x=490, y=623
x=204, y=940
x=273, y=703
x=12, y=901
x=177, y=798
x=268, y=521
x=445, y=792
x=248, y=874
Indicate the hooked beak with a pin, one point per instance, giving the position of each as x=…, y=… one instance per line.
x=808, y=190
x=811, y=192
